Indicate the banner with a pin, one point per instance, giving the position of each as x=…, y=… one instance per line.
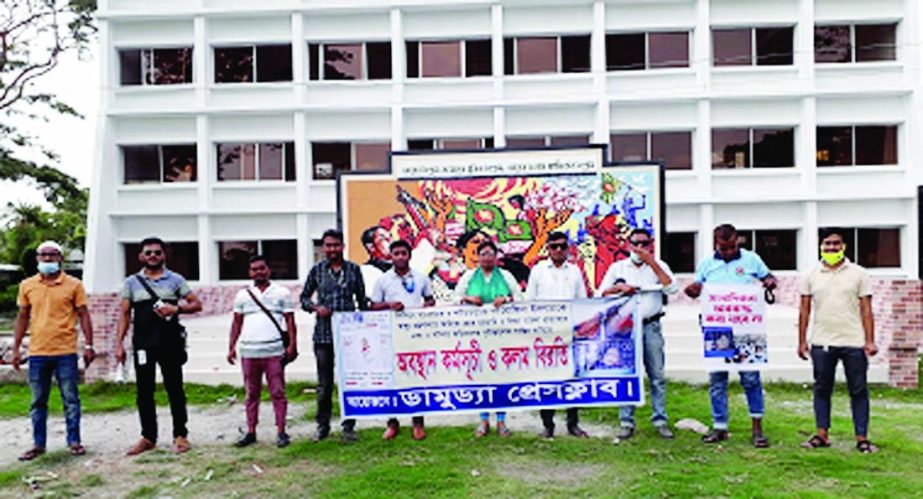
x=528, y=355
x=734, y=327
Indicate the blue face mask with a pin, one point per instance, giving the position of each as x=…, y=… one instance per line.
x=49, y=267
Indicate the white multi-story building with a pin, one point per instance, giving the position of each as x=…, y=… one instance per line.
x=223, y=122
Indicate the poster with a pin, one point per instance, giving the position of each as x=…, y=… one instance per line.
x=526, y=355
x=734, y=327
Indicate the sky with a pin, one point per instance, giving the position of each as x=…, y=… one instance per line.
x=76, y=83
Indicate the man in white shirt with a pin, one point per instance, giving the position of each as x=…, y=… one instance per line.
x=399, y=288
x=557, y=279
x=259, y=313
x=626, y=277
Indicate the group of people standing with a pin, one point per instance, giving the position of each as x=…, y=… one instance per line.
x=263, y=333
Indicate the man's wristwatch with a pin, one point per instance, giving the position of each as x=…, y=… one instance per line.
x=89, y=347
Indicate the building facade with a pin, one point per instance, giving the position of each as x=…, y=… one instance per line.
x=223, y=123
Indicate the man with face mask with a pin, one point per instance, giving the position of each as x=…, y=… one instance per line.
x=151, y=303
x=844, y=330
x=626, y=277
x=50, y=304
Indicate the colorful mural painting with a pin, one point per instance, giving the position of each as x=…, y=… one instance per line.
x=446, y=218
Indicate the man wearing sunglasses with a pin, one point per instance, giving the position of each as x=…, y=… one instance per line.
x=557, y=279
x=626, y=277
x=152, y=300
x=399, y=288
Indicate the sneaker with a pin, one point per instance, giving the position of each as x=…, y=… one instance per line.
x=625, y=432
x=391, y=431
x=547, y=434
x=245, y=440
x=143, y=445
x=282, y=440
x=578, y=432
x=349, y=435
x=181, y=445
x=419, y=433
x=321, y=433
x=664, y=432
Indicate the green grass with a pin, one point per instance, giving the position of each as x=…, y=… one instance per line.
x=451, y=463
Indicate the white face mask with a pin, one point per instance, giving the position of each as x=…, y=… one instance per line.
x=635, y=259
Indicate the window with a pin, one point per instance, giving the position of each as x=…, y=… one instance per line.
x=350, y=61
x=855, y=43
x=449, y=144
x=753, y=46
x=547, y=140
x=260, y=63
x=181, y=257
x=857, y=145
x=636, y=51
x=234, y=258
x=533, y=55
x=873, y=247
x=332, y=157
x=168, y=66
x=778, y=248
x=256, y=161
x=449, y=58
x=159, y=163
x=673, y=148
x=680, y=251
x=753, y=147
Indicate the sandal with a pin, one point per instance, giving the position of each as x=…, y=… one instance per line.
x=78, y=450
x=31, y=454
x=760, y=441
x=866, y=447
x=715, y=436
x=481, y=430
x=815, y=442
x=503, y=431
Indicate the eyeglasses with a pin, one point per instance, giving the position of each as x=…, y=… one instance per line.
x=558, y=246
x=49, y=255
x=153, y=252
x=641, y=243
x=409, y=284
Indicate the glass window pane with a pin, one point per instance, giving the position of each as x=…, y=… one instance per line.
x=274, y=63
x=876, y=42
x=730, y=148
x=179, y=163
x=680, y=251
x=668, y=50
x=441, y=59
x=624, y=51
x=731, y=47
x=575, y=54
x=378, y=57
x=876, y=145
x=282, y=257
x=130, y=67
x=413, y=59
x=525, y=142
x=236, y=162
x=372, y=156
x=773, y=147
x=628, y=146
x=314, y=61
x=745, y=239
x=271, y=161
x=778, y=248
x=478, y=58
x=233, y=64
x=172, y=66
x=509, y=67
x=329, y=158
x=673, y=148
x=290, y=175
x=182, y=258
x=834, y=146
x=461, y=144
x=420, y=145
x=234, y=259
x=536, y=55
x=141, y=164
x=343, y=62
x=775, y=46
x=570, y=140
x=831, y=44
x=879, y=248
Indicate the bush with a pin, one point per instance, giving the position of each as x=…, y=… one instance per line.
x=8, y=298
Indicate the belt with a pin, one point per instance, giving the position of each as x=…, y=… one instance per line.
x=654, y=318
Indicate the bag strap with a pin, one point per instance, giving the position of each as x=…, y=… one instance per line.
x=147, y=287
x=267, y=312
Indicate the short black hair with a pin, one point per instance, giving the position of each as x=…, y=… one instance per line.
x=830, y=231
x=334, y=233
x=147, y=241
x=400, y=243
x=556, y=236
x=259, y=258
x=639, y=230
x=487, y=244
x=463, y=239
x=725, y=232
x=368, y=235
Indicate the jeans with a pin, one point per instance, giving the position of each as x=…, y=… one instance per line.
x=855, y=364
x=653, y=365
x=253, y=370
x=64, y=369
x=501, y=416
x=718, y=391
x=171, y=370
x=323, y=352
x=573, y=419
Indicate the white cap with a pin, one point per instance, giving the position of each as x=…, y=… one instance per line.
x=50, y=245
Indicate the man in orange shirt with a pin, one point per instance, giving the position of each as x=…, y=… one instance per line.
x=51, y=302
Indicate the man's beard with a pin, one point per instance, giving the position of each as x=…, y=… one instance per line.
x=156, y=266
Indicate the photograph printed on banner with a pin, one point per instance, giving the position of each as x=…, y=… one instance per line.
x=604, y=342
